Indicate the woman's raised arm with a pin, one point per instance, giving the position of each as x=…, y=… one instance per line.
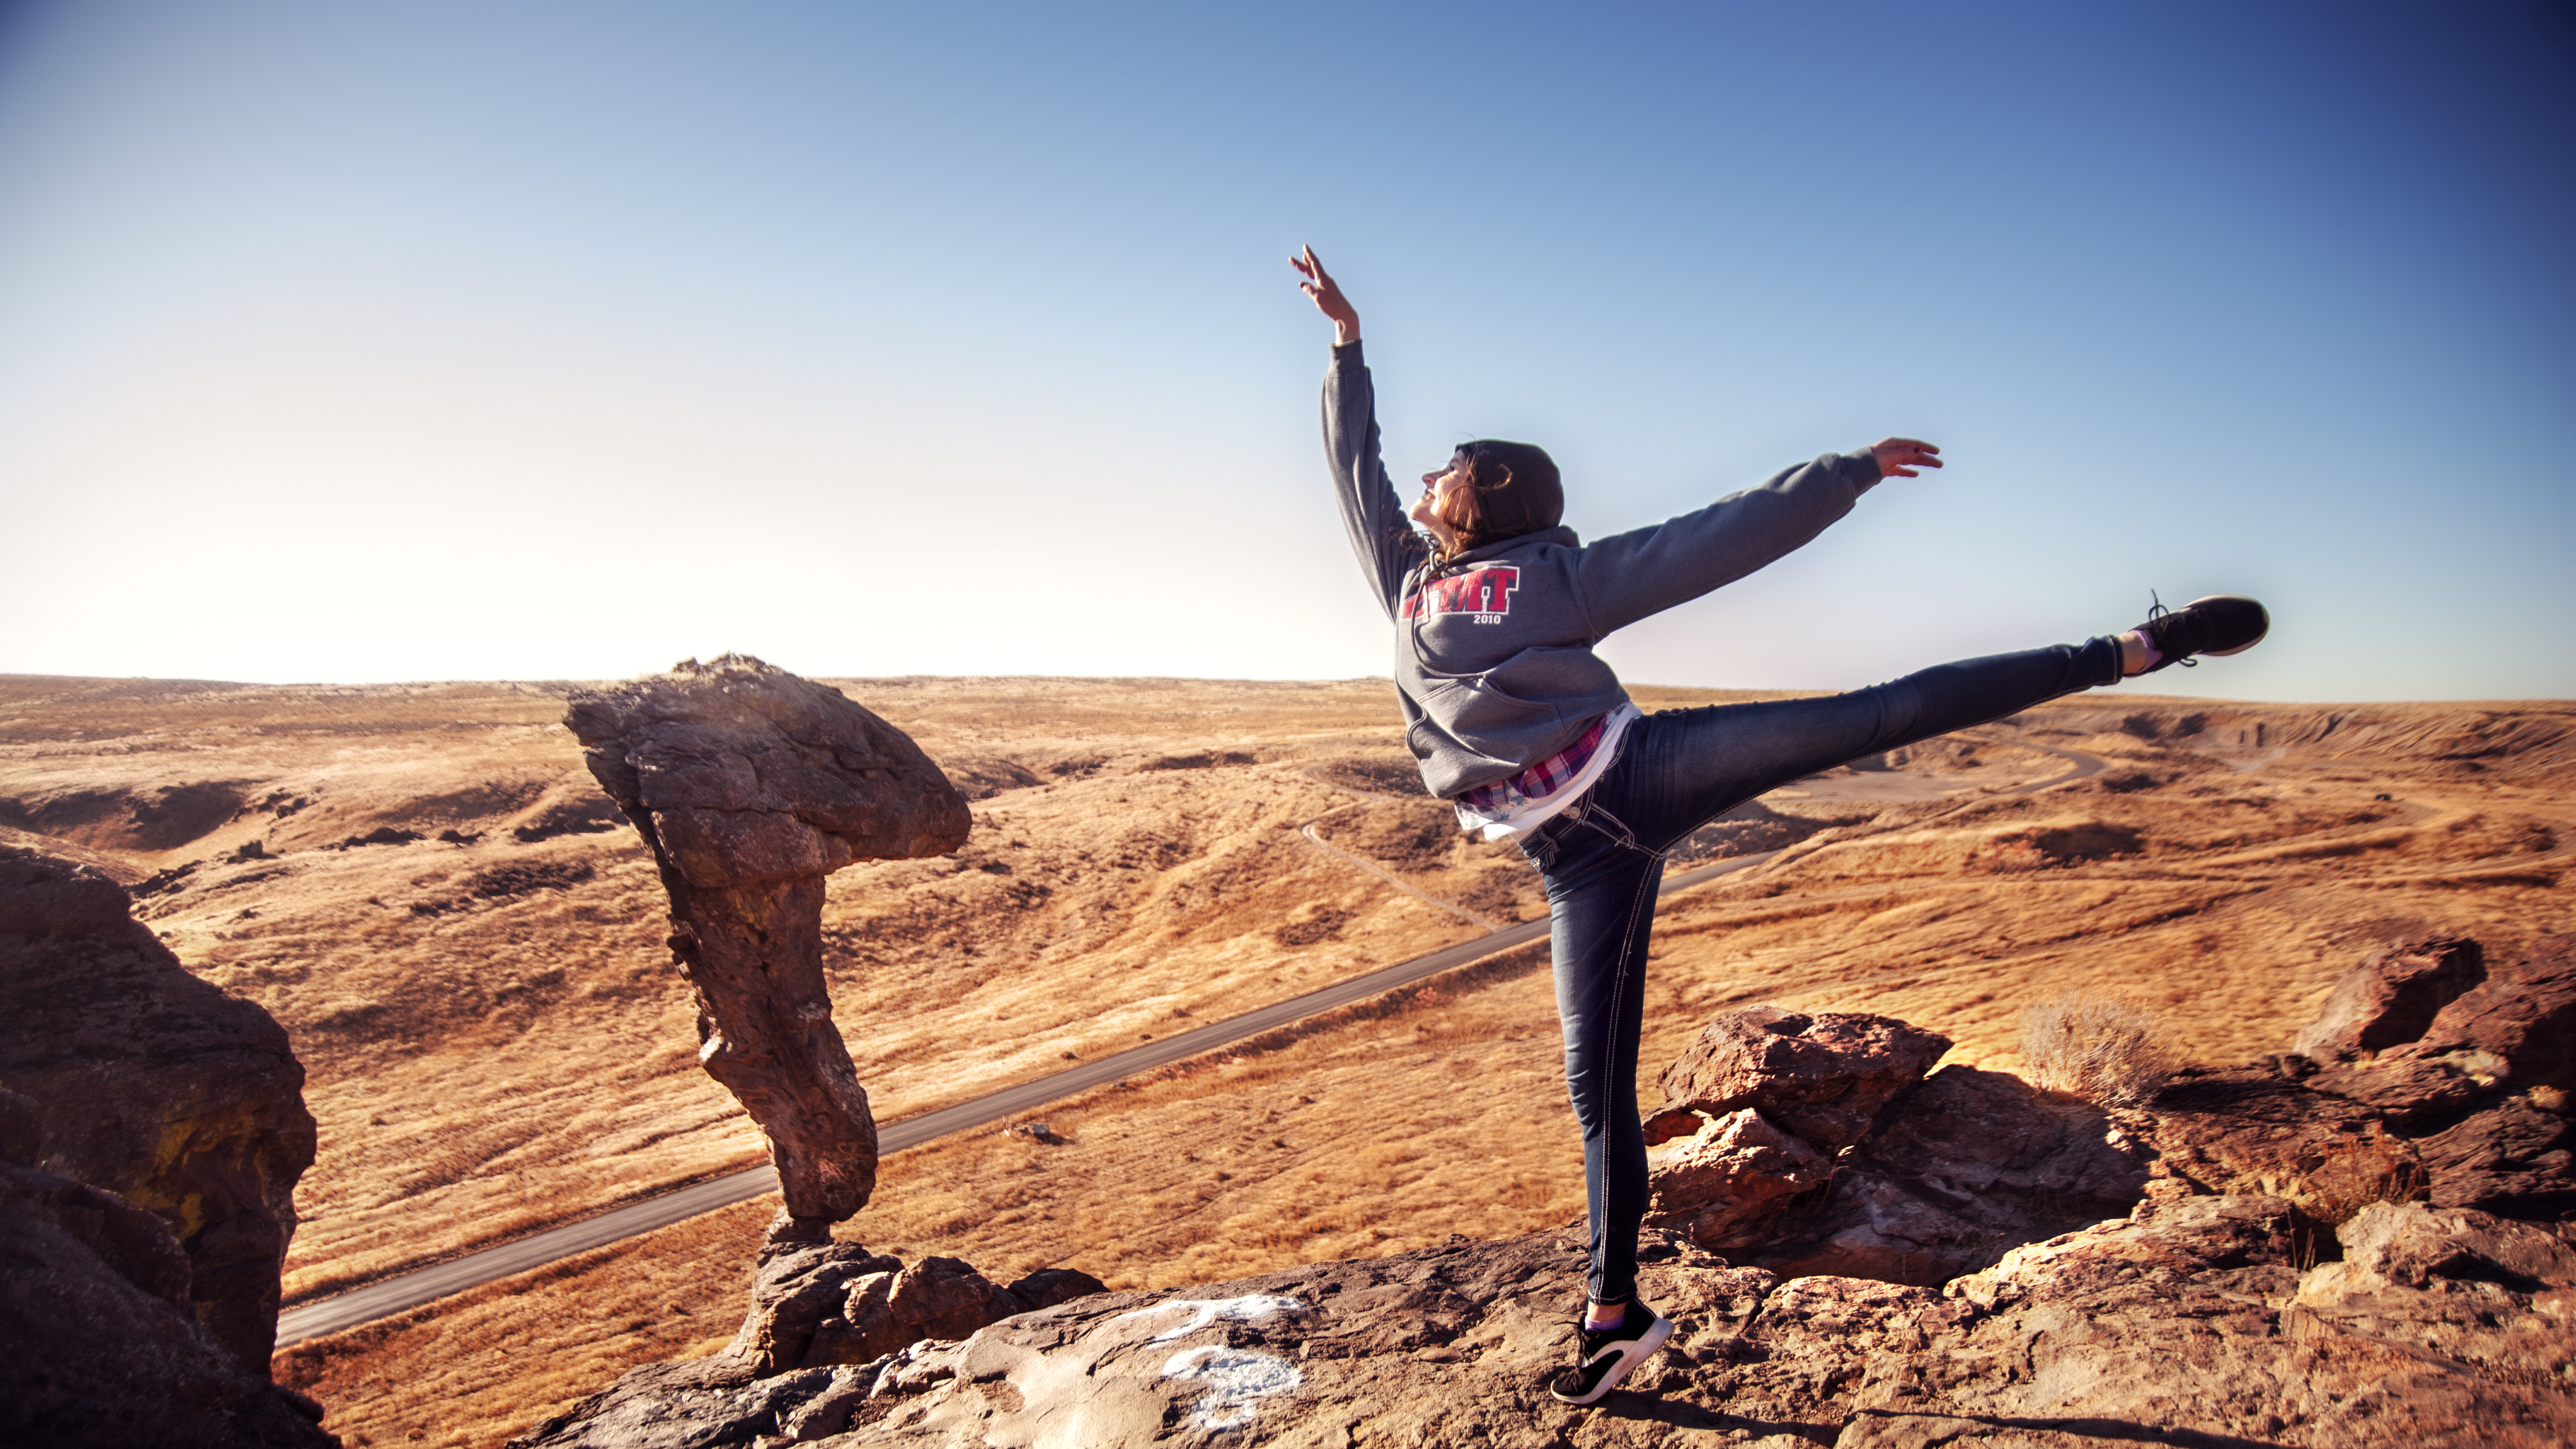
x=1327, y=296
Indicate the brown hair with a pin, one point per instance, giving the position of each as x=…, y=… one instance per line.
x=1512, y=489
x=1464, y=509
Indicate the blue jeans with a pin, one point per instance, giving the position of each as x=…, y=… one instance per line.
x=1603, y=856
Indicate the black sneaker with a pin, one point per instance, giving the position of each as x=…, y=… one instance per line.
x=2218, y=624
x=1603, y=1360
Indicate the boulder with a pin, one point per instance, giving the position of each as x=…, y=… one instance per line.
x=1722, y=1187
x=2522, y=1017
x=153, y=1085
x=814, y=1306
x=2407, y=1245
x=2511, y=1158
x=100, y=1343
x=2478, y=1103
x=751, y=785
x=796, y=1291
x=2390, y=997
x=826, y=1321
x=1821, y=1076
x=886, y=1312
x=2413, y=1088
x=1959, y=1171
x=946, y=1298
x=1047, y=1287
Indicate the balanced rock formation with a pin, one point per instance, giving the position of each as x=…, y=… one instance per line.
x=154, y=1086
x=751, y=785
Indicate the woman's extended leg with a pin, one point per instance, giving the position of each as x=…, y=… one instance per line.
x=1696, y=764
x=1603, y=861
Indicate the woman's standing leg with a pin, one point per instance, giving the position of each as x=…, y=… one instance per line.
x=1601, y=888
x=1601, y=910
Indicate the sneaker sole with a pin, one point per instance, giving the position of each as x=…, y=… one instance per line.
x=1630, y=1357
x=2241, y=648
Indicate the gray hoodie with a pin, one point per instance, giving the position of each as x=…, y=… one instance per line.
x=1493, y=648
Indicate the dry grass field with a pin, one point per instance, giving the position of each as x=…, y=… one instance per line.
x=423, y=885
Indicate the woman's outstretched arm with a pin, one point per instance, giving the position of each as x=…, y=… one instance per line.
x=1381, y=535
x=1626, y=577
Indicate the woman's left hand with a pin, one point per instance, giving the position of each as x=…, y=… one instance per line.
x=1899, y=457
x=1327, y=296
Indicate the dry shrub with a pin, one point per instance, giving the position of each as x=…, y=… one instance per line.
x=2099, y=1046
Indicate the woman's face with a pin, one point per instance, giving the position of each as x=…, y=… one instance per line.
x=1436, y=488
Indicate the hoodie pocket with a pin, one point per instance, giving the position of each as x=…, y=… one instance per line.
x=1480, y=713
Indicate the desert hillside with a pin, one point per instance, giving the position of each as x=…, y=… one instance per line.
x=464, y=941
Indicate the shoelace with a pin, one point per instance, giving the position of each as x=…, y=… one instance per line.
x=2156, y=610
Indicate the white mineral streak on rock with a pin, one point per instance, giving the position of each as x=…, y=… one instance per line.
x=1236, y=1380
x=1251, y=1308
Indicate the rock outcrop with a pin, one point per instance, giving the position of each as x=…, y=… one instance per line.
x=2254, y=1258
x=751, y=785
x=2472, y=1114
x=1829, y=1152
x=1823, y=1076
x=1956, y=1173
x=100, y=1343
x=2392, y=996
x=154, y=1086
x=2188, y=1321
x=837, y=1303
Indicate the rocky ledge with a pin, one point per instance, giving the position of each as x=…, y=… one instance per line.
x=2371, y=1244
x=151, y=1132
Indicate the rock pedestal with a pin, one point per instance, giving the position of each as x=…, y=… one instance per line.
x=751, y=785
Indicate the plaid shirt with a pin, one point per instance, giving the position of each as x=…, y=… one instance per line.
x=1503, y=797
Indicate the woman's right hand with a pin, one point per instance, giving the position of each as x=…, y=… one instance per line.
x=1327, y=296
x=1899, y=457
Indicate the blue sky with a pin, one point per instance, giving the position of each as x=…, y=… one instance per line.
x=406, y=341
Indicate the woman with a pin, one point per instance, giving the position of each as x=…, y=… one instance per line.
x=1515, y=721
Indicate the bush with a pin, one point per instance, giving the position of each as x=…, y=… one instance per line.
x=2096, y=1045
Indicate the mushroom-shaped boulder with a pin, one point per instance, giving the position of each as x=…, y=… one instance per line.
x=750, y=785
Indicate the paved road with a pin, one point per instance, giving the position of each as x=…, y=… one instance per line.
x=393, y=1295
